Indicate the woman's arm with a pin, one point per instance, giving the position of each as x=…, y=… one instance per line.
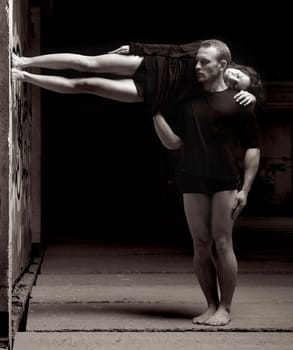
x=165, y=133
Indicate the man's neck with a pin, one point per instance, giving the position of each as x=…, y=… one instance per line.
x=215, y=86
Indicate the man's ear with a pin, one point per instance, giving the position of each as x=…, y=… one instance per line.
x=223, y=64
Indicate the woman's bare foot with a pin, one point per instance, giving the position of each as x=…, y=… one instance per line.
x=17, y=74
x=17, y=61
x=201, y=319
x=220, y=318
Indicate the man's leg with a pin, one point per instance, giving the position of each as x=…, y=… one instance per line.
x=197, y=210
x=222, y=227
x=123, y=90
x=110, y=63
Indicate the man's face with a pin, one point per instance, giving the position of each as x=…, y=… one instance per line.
x=207, y=67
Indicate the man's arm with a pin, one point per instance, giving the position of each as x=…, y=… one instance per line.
x=166, y=135
x=251, y=164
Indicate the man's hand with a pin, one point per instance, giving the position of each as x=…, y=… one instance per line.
x=245, y=98
x=122, y=50
x=240, y=203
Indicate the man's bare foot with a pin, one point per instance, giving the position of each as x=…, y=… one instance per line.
x=201, y=319
x=17, y=61
x=220, y=318
x=17, y=74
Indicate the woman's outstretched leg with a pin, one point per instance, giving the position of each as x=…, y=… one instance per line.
x=108, y=63
x=123, y=90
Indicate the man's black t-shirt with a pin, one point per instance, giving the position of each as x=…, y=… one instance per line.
x=216, y=132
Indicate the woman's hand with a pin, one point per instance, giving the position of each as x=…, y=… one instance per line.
x=122, y=50
x=245, y=98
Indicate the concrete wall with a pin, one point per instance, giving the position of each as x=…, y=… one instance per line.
x=16, y=190
x=20, y=191
x=4, y=170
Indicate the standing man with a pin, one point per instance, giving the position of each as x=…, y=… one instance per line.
x=218, y=136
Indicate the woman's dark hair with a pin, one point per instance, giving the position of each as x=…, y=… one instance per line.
x=255, y=86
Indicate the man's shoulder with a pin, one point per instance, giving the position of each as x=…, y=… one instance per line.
x=229, y=94
x=229, y=99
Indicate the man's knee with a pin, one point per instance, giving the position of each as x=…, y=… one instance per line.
x=223, y=244
x=202, y=247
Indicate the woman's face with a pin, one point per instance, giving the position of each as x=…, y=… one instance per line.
x=236, y=79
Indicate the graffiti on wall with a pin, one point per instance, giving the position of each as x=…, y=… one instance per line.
x=20, y=165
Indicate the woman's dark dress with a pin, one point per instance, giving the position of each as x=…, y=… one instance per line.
x=167, y=75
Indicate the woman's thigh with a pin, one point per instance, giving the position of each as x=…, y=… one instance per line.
x=123, y=90
x=125, y=65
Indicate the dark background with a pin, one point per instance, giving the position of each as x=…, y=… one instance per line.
x=105, y=174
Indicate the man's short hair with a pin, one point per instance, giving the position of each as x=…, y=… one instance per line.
x=224, y=52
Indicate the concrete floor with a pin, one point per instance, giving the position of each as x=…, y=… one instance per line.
x=102, y=296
